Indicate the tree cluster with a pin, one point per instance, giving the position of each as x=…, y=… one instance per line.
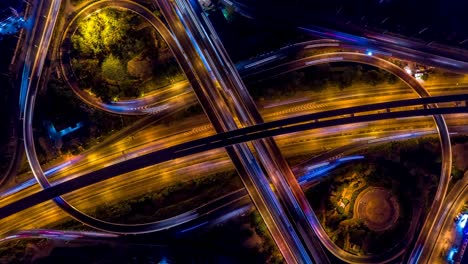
x=115, y=53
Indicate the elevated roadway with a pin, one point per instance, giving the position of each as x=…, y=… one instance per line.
x=365, y=108
x=163, y=98
x=450, y=59
x=63, y=201
x=434, y=111
x=398, y=47
x=437, y=247
x=56, y=235
x=420, y=90
x=245, y=134
x=288, y=204
x=213, y=99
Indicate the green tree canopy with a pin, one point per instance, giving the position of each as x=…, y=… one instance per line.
x=113, y=69
x=101, y=32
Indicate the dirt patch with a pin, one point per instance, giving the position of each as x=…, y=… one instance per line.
x=377, y=207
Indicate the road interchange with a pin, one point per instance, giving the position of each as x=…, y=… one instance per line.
x=428, y=111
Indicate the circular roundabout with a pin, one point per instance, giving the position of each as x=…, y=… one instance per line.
x=378, y=208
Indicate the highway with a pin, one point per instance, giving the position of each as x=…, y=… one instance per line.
x=56, y=235
x=398, y=47
x=418, y=88
x=213, y=99
x=152, y=102
x=451, y=59
x=29, y=142
x=32, y=81
x=181, y=91
x=79, y=196
x=95, y=191
x=246, y=134
x=276, y=169
x=46, y=49
x=215, y=211
x=157, y=137
x=170, y=41
x=37, y=44
x=322, y=103
x=26, y=39
x=439, y=242
x=33, y=38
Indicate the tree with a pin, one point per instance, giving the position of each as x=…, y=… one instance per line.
x=101, y=32
x=346, y=79
x=425, y=76
x=373, y=77
x=456, y=173
x=391, y=79
x=113, y=69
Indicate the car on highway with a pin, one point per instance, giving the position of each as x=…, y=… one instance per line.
x=461, y=219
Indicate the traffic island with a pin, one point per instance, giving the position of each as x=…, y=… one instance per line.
x=372, y=207
x=113, y=54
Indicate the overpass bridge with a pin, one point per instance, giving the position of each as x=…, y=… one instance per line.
x=421, y=107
